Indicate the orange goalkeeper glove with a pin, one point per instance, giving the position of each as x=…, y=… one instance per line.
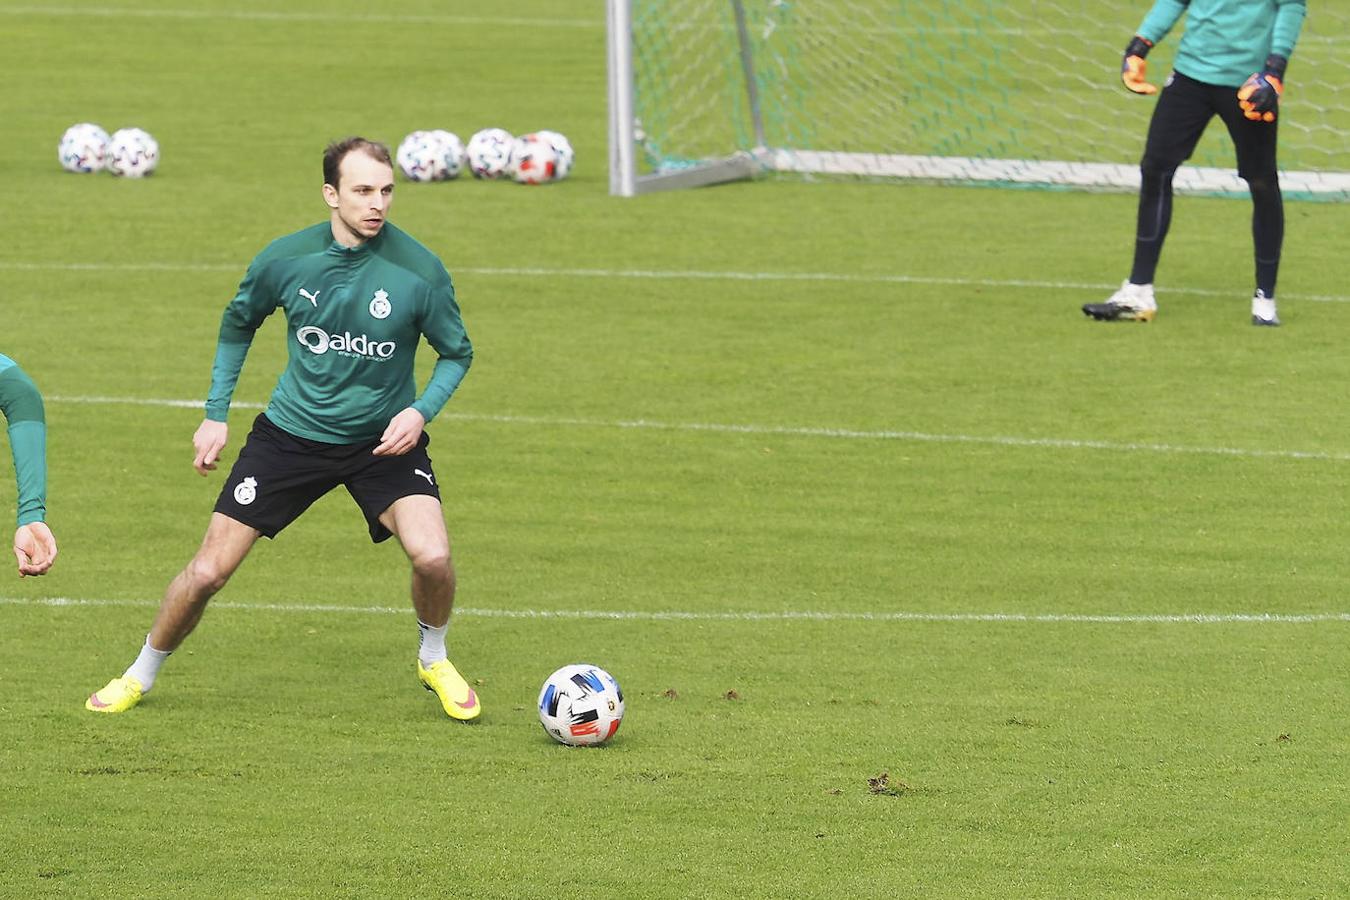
x=1133, y=67
x=1260, y=95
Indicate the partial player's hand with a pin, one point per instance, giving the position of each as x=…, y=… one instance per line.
x=1134, y=68
x=1259, y=96
x=208, y=442
x=402, y=434
x=35, y=548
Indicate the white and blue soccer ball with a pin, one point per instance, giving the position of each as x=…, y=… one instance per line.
x=562, y=148
x=533, y=160
x=83, y=148
x=430, y=155
x=488, y=153
x=581, y=705
x=132, y=153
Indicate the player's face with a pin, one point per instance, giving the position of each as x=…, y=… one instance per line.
x=361, y=201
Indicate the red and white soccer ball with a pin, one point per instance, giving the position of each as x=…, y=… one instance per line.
x=581, y=705
x=132, y=153
x=533, y=160
x=562, y=149
x=435, y=155
x=488, y=153
x=83, y=148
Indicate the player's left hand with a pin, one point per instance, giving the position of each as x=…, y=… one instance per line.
x=402, y=434
x=1259, y=96
x=35, y=548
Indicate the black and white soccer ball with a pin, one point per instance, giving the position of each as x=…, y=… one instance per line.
x=132, y=153
x=435, y=155
x=581, y=705
x=83, y=148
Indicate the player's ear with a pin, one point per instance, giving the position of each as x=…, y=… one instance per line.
x=330, y=196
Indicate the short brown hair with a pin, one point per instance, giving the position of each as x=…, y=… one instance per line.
x=338, y=150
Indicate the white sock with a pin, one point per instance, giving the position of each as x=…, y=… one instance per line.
x=433, y=643
x=146, y=666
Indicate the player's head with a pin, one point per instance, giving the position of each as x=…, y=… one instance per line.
x=358, y=186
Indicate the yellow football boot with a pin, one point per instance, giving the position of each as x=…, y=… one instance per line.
x=457, y=699
x=120, y=695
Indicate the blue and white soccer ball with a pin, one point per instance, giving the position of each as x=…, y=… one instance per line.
x=562, y=148
x=132, y=153
x=533, y=160
x=488, y=153
x=83, y=148
x=581, y=705
x=430, y=155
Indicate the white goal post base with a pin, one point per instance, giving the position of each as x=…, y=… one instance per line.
x=972, y=170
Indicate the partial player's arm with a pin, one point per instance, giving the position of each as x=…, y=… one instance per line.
x=252, y=304
x=1159, y=21
x=21, y=403
x=441, y=323
x=1260, y=94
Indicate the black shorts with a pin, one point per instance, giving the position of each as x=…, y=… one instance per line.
x=278, y=475
x=1185, y=107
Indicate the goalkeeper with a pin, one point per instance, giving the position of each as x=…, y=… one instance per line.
x=34, y=545
x=1230, y=63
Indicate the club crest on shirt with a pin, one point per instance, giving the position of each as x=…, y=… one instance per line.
x=379, y=304
x=246, y=491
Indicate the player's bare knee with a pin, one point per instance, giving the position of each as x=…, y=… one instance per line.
x=433, y=562
x=207, y=575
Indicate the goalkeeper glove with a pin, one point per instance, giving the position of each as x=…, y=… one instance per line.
x=1260, y=95
x=1133, y=67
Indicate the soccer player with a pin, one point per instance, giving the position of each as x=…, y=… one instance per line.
x=1230, y=63
x=34, y=544
x=358, y=294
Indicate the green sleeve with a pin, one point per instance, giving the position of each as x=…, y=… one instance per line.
x=1161, y=18
x=252, y=304
x=23, y=409
x=1288, y=23
x=444, y=330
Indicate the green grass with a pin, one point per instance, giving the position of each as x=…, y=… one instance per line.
x=746, y=469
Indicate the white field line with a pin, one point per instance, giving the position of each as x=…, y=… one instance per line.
x=793, y=431
x=246, y=15
x=691, y=616
x=684, y=275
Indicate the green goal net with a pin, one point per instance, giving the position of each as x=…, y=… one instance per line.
x=1022, y=92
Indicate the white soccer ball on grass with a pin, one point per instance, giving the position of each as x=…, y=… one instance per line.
x=435, y=155
x=132, y=153
x=581, y=705
x=533, y=160
x=83, y=148
x=488, y=153
x=563, y=149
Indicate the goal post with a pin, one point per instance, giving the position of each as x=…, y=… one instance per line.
x=1017, y=93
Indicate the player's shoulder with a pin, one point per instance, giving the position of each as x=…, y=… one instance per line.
x=6, y=362
x=405, y=251
x=305, y=242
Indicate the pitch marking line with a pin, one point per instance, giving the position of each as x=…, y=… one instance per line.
x=795, y=431
x=689, y=616
x=685, y=275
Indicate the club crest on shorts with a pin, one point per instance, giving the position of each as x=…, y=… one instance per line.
x=246, y=491
x=379, y=304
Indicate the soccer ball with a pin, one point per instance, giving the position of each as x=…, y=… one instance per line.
x=581, y=705
x=430, y=155
x=489, y=153
x=82, y=148
x=562, y=148
x=533, y=160
x=132, y=153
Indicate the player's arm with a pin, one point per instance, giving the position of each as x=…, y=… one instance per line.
x=21, y=403
x=441, y=323
x=252, y=304
x=1259, y=96
x=1134, y=64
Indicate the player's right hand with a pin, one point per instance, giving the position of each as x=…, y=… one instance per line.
x=1134, y=66
x=208, y=442
x=35, y=548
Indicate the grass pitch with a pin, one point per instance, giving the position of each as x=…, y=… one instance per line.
x=892, y=551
